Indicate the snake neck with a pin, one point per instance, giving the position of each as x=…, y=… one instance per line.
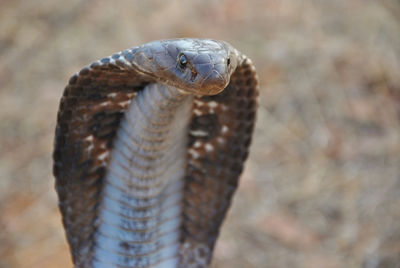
x=140, y=211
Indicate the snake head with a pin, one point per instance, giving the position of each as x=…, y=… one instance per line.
x=197, y=66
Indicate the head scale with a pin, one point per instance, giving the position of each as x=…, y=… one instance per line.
x=198, y=66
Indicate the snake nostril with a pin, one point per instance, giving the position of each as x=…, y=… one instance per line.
x=228, y=62
x=193, y=77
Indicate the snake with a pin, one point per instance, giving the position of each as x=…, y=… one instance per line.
x=149, y=147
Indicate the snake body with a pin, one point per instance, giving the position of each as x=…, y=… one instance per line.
x=149, y=147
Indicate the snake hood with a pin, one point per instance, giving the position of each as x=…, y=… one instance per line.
x=199, y=66
x=148, y=155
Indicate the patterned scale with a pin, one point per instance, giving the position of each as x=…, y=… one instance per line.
x=93, y=109
x=90, y=110
x=219, y=137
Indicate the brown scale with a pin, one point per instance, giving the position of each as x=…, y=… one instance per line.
x=211, y=179
x=85, y=130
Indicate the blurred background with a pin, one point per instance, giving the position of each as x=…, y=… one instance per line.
x=322, y=184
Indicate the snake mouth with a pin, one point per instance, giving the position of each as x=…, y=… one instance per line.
x=215, y=91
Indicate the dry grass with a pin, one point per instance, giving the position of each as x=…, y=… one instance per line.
x=322, y=185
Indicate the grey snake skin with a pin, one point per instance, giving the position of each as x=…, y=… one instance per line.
x=150, y=143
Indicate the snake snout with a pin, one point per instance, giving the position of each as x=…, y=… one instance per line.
x=214, y=83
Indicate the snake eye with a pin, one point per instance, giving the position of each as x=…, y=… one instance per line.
x=228, y=62
x=182, y=61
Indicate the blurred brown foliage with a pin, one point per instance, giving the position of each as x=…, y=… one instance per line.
x=322, y=185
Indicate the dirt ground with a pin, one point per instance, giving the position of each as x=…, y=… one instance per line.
x=322, y=185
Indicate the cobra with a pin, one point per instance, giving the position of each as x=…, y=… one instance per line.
x=150, y=143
